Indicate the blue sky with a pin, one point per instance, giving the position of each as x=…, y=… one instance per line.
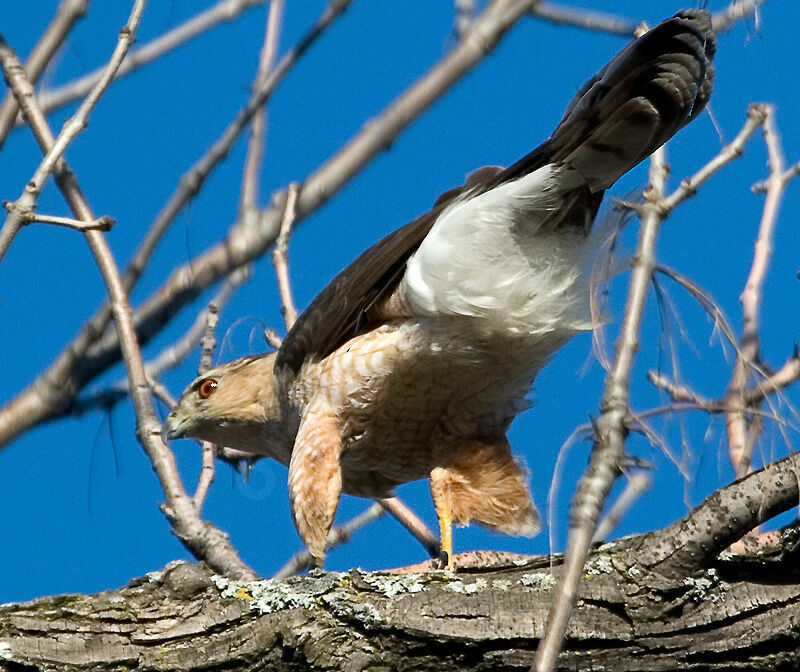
x=78, y=499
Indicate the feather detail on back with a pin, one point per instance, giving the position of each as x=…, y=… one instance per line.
x=512, y=256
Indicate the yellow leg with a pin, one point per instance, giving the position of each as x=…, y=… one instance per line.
x=446, y=537
x=440, y=491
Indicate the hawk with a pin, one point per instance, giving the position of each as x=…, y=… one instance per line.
x=415, y=359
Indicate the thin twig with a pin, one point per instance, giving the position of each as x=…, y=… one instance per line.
x=79, y=120
x=790, y=173
x=280, y=257
x=336, y=537
x=255, y=146
x=737, y=10
x=638, y=484
x=464, y=11
x=756, y=114
x=413, y=523
x=227, y=10
x=176, y=353
x=206, y=477
x=67, y=14
x=161, y=392
x=103, y=223
x=675, y=391
x=712, y=406
x=610, y=430
x=209, y=340
x=209, y=343
x=272, y=338
x=748, y=353
x=23, y=90
x=705, y=300
x=783, y=377
x=586, y=19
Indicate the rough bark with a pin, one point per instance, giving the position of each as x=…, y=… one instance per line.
x=740, y=614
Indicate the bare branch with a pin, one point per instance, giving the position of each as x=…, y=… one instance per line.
x=336, y=537
x=586, y=19
x=609, y=449
x=677, y=392
x=103, y=223
x=23, y=92
x=413, y=523
x=67, y=14
x=783, y=377
x=209, y=341
x=756, y=114
x=280, y=258
x=737, y=10
x=226, y=10
x=206, y=476
x=464, y=10
x=638, y=484
x=748, y=353
x=247, y=202
x=272, y=338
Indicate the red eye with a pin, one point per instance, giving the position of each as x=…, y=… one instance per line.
x=206, y=388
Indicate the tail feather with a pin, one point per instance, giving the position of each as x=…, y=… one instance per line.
x=637, y=102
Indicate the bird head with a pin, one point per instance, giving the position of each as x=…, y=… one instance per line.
x=233, y=405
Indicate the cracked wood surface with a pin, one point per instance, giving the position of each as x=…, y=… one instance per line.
x=739, y=615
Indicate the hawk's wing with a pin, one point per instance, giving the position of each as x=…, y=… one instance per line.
x=630, y=108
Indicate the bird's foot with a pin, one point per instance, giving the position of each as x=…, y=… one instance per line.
x=444, y=561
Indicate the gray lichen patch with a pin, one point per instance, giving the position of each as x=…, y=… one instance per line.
x=600, y=563
x=269, y=596
x=390, y=585
x=458, y=586
x=538, y=580
x=707, y=587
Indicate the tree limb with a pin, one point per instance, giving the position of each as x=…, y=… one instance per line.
x=184, y=618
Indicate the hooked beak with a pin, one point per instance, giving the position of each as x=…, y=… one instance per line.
x=172, y=427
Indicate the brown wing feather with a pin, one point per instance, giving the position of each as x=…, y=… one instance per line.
x=618, y=118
